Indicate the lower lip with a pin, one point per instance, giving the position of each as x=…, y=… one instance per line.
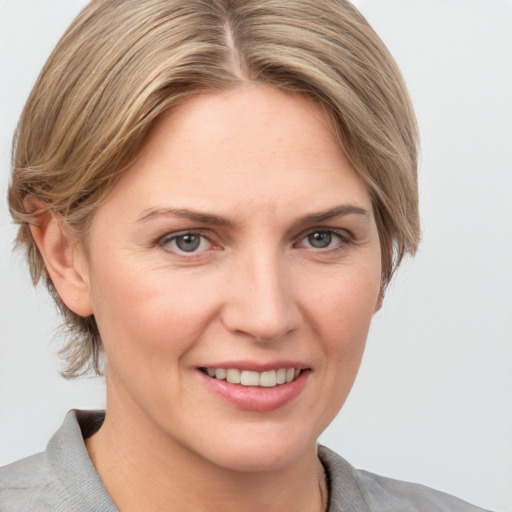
x=254, y=398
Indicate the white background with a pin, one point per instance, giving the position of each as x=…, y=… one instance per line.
x=433, y=401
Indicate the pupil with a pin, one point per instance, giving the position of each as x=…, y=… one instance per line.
x=320, y=239
x=188, y=243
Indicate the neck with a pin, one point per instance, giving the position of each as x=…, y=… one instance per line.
x=142, y=469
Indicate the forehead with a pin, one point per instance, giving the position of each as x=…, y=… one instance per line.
x=249, y=146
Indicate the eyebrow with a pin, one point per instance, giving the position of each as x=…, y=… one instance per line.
x=205, y=218
x=338, y=211
x=216, y=220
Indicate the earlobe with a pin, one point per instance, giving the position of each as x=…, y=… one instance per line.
x=64, y=260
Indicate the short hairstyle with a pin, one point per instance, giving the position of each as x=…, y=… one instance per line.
x=122, y=63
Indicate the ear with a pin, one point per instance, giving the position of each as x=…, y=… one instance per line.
x=64, y=259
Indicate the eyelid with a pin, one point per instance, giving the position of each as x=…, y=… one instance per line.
x=165, y=240
x=345, y=236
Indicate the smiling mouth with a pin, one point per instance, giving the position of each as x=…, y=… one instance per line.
x=268, y=379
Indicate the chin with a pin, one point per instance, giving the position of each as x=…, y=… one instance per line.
x=261, y=451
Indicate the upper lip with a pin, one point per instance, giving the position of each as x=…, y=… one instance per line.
x=257, y=366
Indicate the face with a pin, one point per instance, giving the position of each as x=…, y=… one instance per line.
x=240, y=245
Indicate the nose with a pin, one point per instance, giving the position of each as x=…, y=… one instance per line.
x=262, y=302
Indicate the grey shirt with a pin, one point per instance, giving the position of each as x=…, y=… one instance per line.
x=63, y=479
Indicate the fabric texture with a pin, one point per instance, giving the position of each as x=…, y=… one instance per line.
x=63, y=479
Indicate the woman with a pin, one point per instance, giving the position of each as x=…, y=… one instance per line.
x=216, y=194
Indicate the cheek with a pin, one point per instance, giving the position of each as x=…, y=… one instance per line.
x=344, y=304
x=341, y=316
x=149, y=314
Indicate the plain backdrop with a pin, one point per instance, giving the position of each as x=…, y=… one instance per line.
x=433, y=400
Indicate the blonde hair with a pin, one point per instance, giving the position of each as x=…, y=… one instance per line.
x=122, y=63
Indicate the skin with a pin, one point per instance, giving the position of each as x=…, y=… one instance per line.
x=262, y=163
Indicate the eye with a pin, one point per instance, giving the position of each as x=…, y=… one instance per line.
x=320, y=239
x=325, y=239
x=188, y=242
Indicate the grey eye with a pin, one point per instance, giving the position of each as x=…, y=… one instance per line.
x=188, y=243
x=320, y=239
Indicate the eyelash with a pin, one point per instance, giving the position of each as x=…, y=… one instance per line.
x=171, y=238
x=344, y=238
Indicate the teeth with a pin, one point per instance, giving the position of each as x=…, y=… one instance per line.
x=248, y=378
x=233, y=376
x=268, y=379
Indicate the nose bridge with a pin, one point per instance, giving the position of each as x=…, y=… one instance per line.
x=262, y=301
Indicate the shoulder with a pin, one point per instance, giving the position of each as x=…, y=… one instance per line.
x=25, y=484
x=380, y=494
x=397, y=494
x=62, y=478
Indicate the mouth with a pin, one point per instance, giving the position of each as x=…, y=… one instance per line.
x=266, y=379
x=256, y=391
